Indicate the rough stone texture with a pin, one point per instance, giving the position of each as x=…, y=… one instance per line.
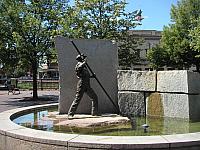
x=155, y=105
x=42, y=137
x=174, y=105
x=102, y=58
x=172, y=81
x=178, y=81
x=131, y=103
x=2, y=142
x=178, y=141
x=78, y=148
x=136, y=80
x=174, y=94
x=122, y=142
x=186, y=148
x=194, y=107
x=17, y=144
x=84, y=121
x=171, y=123
x=193, y=82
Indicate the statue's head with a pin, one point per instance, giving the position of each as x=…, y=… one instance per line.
x=79, y=58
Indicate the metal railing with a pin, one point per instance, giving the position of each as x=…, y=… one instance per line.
x=41, y=84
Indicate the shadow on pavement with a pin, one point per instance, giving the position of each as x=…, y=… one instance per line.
x=29, y=101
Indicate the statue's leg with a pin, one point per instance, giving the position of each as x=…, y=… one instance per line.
x=79, y=94
x=93, y=96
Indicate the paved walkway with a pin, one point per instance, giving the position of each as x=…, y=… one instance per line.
x=20, y=100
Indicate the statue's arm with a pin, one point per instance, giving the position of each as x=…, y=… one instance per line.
x=93, y=76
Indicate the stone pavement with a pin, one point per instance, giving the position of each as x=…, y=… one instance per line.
x=13, y=101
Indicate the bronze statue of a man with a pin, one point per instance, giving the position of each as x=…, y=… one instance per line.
x=83, y=86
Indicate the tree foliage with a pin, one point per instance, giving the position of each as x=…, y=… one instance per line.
x=28, y=28
x=158, y=56
x=31, y=26
x=8, y=54
x=107, y=19
x=195, y=39
x=177, y=37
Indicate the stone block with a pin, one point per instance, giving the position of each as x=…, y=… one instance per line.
x=136, y=80
x=193, y=82
x=174, y=105
x=154, y=105
x=168, y=105
x=42, y=137
x=118, y=142
x=89, y=142
x=17, y=144
x=178, y=81
x=194, y=105
x=2, y=142
x=170, y=125
x=131, y=103
x=183, y=142
x=102, y=58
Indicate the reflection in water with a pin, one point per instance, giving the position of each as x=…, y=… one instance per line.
x=157, y=126
x=34, y=121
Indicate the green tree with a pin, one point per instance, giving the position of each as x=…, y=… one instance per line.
x=8, y=54
x=195, y=39
x=32, y=26
x=158, y=57
x=176, y=37
x=29, y=27
x=107, y=19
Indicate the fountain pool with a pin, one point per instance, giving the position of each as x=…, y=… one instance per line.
x=14, y=136
x=48, y=120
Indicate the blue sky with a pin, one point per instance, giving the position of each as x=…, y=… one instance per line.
x=156, y=13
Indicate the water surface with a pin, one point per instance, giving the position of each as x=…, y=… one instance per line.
x=157, y=126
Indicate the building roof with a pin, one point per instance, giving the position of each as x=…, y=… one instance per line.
x=147, y=34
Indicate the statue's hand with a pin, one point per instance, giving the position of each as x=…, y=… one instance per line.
x=83, y=56
x=93, y=76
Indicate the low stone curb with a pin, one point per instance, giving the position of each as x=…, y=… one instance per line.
x=13, y=136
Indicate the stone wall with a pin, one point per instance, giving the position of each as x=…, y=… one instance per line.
x=182, y=81
x=166, y=93
x=129, y=80
x=131, y=103
x=102, y=59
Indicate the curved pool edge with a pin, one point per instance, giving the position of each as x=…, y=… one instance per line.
x=13, y=136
